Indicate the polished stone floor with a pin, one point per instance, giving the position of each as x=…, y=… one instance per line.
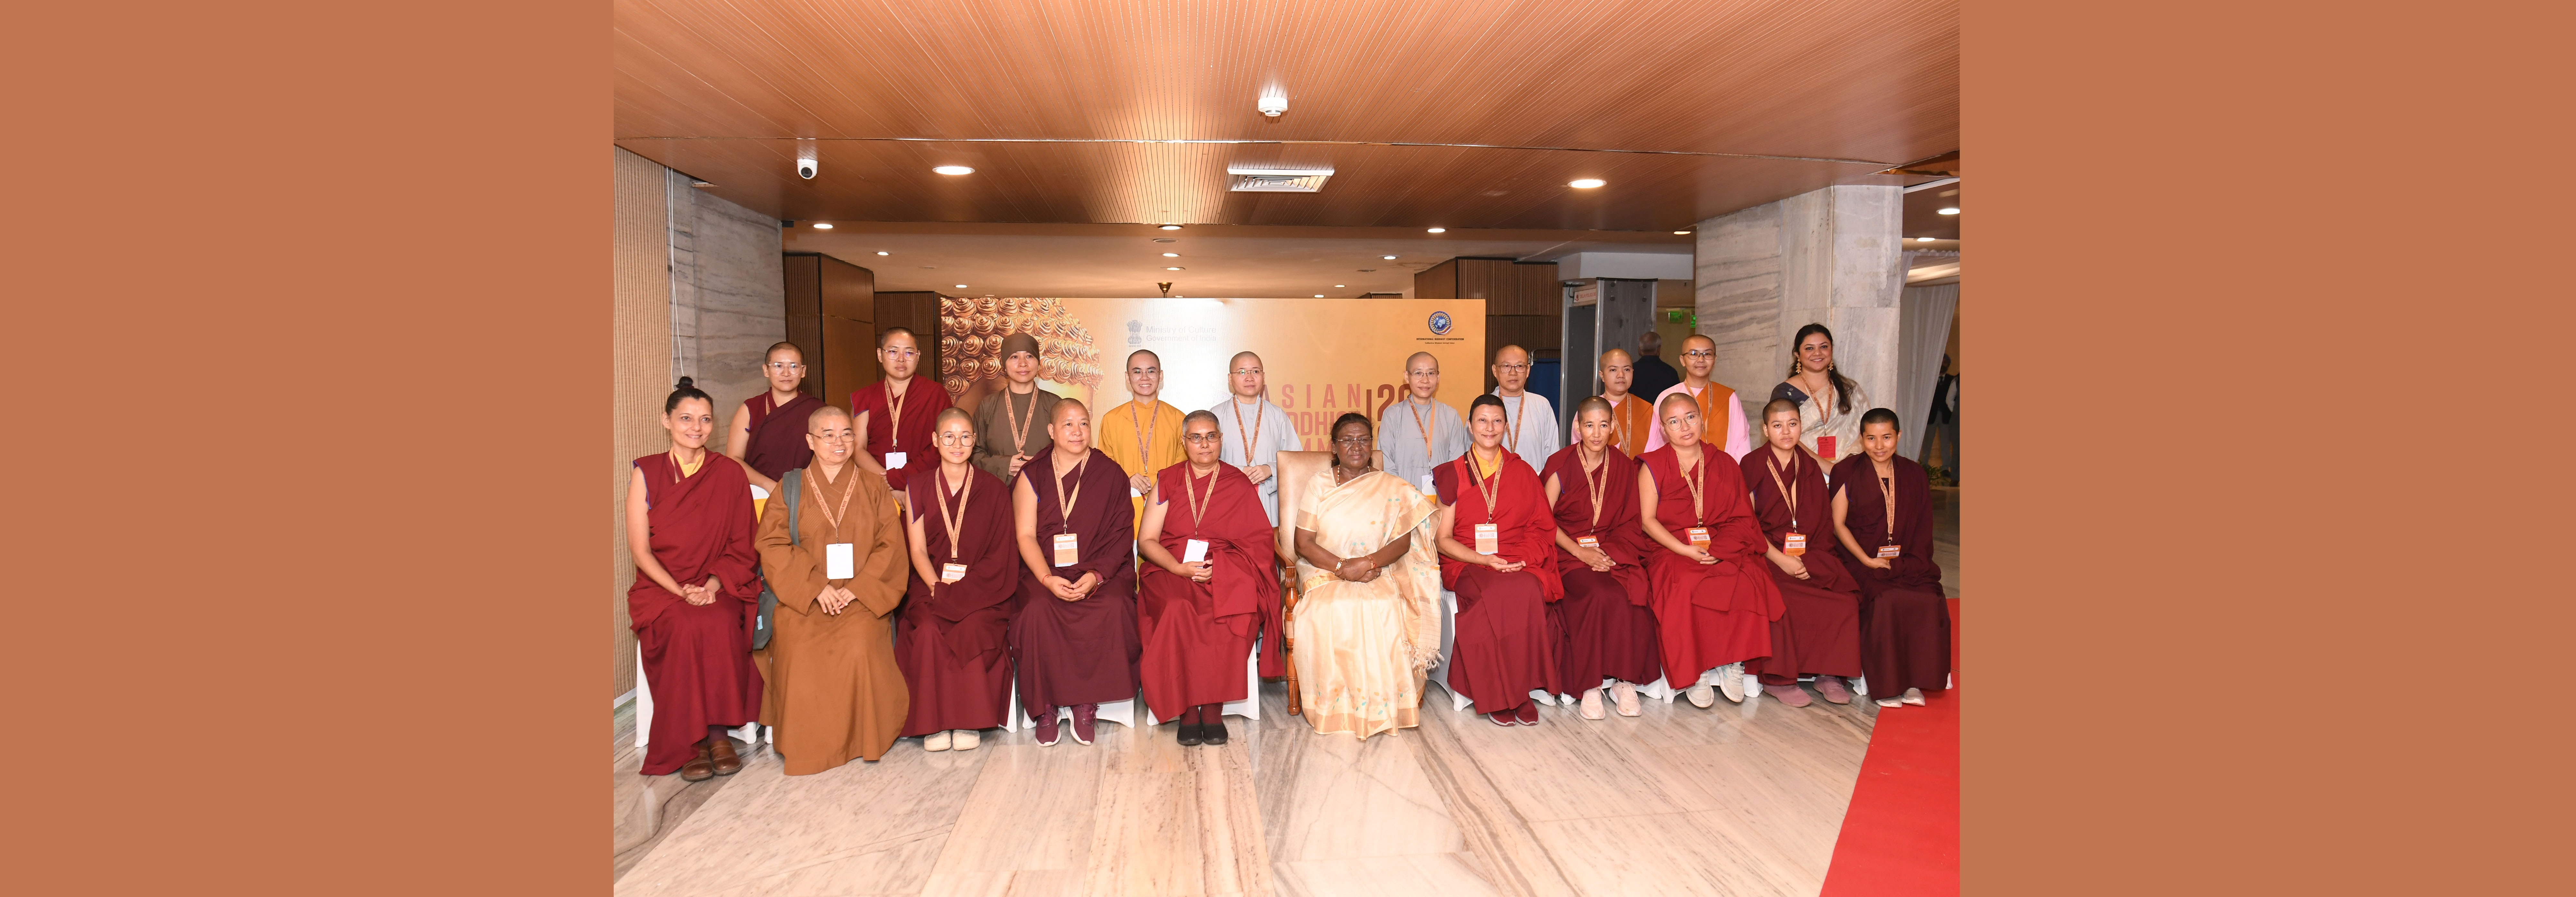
x=1736, y=799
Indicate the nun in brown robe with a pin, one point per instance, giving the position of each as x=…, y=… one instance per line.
x=1904, y=619
x=1818, y=632
x=838, y=694
x=950, y=637
x=1074, y=633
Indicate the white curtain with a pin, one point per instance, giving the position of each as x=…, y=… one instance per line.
x=1922, y=332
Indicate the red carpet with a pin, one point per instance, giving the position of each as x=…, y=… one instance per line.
x=1901, y=834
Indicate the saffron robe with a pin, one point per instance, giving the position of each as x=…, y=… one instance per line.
x=909, y=432
x=1904, y=620
x=950, y=638
x=1721, y=420
x=1079, y=652
x=1709, y=615
x=1607, y=620
x=697, y=657
x=835, y=692
x=1363, y=647
x=1505, y=647
x=1818, y=632
x=1143, y=440
x=1195, y=634
x=777, y=443
x=1632, y=422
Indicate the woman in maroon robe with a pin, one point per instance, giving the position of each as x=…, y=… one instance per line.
x=1713, y=606
x=1074, y=632
x=1607, y=619
x=1199, y=618
x=949, y=635
x=1504, y=647
x=689, y=526
x=768, y=432
x=1818, y=633
x=899, y=410
x=1904, y=620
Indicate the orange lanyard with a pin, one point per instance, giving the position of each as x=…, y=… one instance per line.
x=1597, y=484
x=1887, y=487
x=1018, y=426
x=1249, y=436
x=1198, y=506
x=956, y=522
x=1066, y=497
x=1492, y=491
x=894, y=416
x=1699, y=516
x=849, y=487
x=1619, y=423
x=1425, y=428
x=1787, y=492
x=1514, y=442
x=1145, y=437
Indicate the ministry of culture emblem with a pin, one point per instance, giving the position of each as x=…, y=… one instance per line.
x=1440, y=323
x=1135, y=335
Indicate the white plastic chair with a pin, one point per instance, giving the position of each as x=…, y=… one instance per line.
x=1249, y=707
x=1449, y=648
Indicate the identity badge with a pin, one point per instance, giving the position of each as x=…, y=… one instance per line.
x=1066, y=552
x=1489, y=538
x=840, y=560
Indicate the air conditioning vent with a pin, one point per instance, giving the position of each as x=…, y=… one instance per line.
x=1277, y=180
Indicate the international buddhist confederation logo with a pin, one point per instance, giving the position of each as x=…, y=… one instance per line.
x=1439, y=323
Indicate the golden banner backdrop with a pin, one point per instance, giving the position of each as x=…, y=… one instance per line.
x=1322, y=357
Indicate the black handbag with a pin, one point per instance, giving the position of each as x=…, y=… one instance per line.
x=766, y=623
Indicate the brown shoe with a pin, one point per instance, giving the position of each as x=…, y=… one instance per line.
x=699, y=768
x=725, y=761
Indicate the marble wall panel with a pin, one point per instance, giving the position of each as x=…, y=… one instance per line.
x=1832, y=256
x=728, y=292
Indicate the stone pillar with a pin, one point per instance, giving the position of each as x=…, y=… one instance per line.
x=1833, y=256
x=728, y=293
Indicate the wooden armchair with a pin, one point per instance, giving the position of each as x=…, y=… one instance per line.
x=1295, y=470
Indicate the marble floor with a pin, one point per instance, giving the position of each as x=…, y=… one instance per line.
x=1736, y=799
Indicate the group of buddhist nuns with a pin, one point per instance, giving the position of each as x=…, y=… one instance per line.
x=1011, y=424
x=1143, y=435
x=1632, y=417
x=1713, y=607
x=1255, y=430
x=768, y=433
x=1074, y=639
x=951, y=638
x=1497, y=554
x=834, y=690
x=1721, y=417
x=1606, y=623
x=1417, y=432
x=1818, y=633
x=1882, y=507
x=1529, y=420
x=689, y=526
x=895, y=414
x=1209, y=586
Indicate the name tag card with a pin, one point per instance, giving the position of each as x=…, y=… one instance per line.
x=1794, y=544
x=1698, y=537
x=1889, y=551
x=1825, y=447
x=1066, y=552
x=840, y=560
x=952, y=572
x=1194, y=552
x=1427, y=488
x=894, y=460
x=1132, y=493
x=1489, y=538
x=1591, y=542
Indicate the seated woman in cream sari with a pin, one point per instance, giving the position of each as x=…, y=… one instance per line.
x=1368, y=621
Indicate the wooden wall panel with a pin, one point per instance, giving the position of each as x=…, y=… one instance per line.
x=804, y=275
x=917, y=311
x=849, y=339
x=1437, y=282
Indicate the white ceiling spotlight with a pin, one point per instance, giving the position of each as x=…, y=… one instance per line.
x=1171, y=255
x=1337, y=286
x=953, y=170
x=1319, y=295
x=1953, y=210
x=1273, y=101
x=1392, y=258
x=961, y=286
x=1171, y=227
x=1585, y=183
x=1923, y=239
x=883, y=252
x=1681, y=233
x=822, y=225
x=1436, y=230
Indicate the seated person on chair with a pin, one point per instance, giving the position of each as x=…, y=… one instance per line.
x=1713, y=606
x=1075, y=634
x=1368, y=583
x=950, y=635
x=1498, y=553
x=1904, y=620
x=1607, y=620
x=1818, y=633
x=1209, y=585
x=834, y=689
x=689, y=525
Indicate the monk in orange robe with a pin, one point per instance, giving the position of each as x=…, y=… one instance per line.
x=837, y=693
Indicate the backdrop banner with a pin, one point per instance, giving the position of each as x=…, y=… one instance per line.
x=1322, y=357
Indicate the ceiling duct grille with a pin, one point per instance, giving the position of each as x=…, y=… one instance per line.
x=1277, y=180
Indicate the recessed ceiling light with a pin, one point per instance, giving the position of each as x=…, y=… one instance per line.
x=1585, y=183
x=1437, y=230
x=1679, y=233
x=822, y=225
x=1338, y=286
x=1165, y=240
x=1953, y=210
x=1923, y=239
x=1392, y=258
x=961, y=286
x=953, y=169
x=1319, y=295
x=1171, y=227
x=1175, y=268
x=883, y=252
x=1171, y=255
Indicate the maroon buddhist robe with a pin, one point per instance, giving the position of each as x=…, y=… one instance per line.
x=1709, y=615
x=778, y=435
x=1505, y=647
x=950, y=638
x=1079, y=652
x=1607, y=619
x=1196, y=635
x=908, y=432
x=697, y=657
x=1818, y=633
x=1904, y=620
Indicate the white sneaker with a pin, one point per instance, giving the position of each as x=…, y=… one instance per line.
x=1701, y=695
x=1730, y=679
x=966, y=739
x=1913, y=696
x=935, y=741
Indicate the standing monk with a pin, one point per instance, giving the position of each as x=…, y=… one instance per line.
x=768, y=433
x=1607, y=618
x=1211, y=586
x=1716, y=403
x=1529, y=420
x=1713, y=608
x=1632, y=417
x=1420, y=433
x=837, y=692
x=689, y=524
x=1818, y=633
x=1011, y=425
x=1143, y=435
x=893, y=415
x=1495, y=529
x=949, y=638
x=1905, y=621
x=1255, y=430
x=1075, y=635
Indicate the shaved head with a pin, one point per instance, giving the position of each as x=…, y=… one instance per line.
x=1624, y=358
x=1509, y=351
x=1240, y=356
x=826, y=418
x=1149, y=353
x=1068, y=406
x=1422, y=356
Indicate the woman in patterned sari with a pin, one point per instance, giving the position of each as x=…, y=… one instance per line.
x=1368, y=624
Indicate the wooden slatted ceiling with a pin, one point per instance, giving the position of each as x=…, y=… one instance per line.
x=719, y=89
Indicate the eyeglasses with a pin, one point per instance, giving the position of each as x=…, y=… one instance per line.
x=955, y=438
x=785, y=366
x=903, y=353
x=1358, y=441
x=1242, y=371
x=1511, y=367
x=1200, y=438
x=1699, y=353
x=1432, y=373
